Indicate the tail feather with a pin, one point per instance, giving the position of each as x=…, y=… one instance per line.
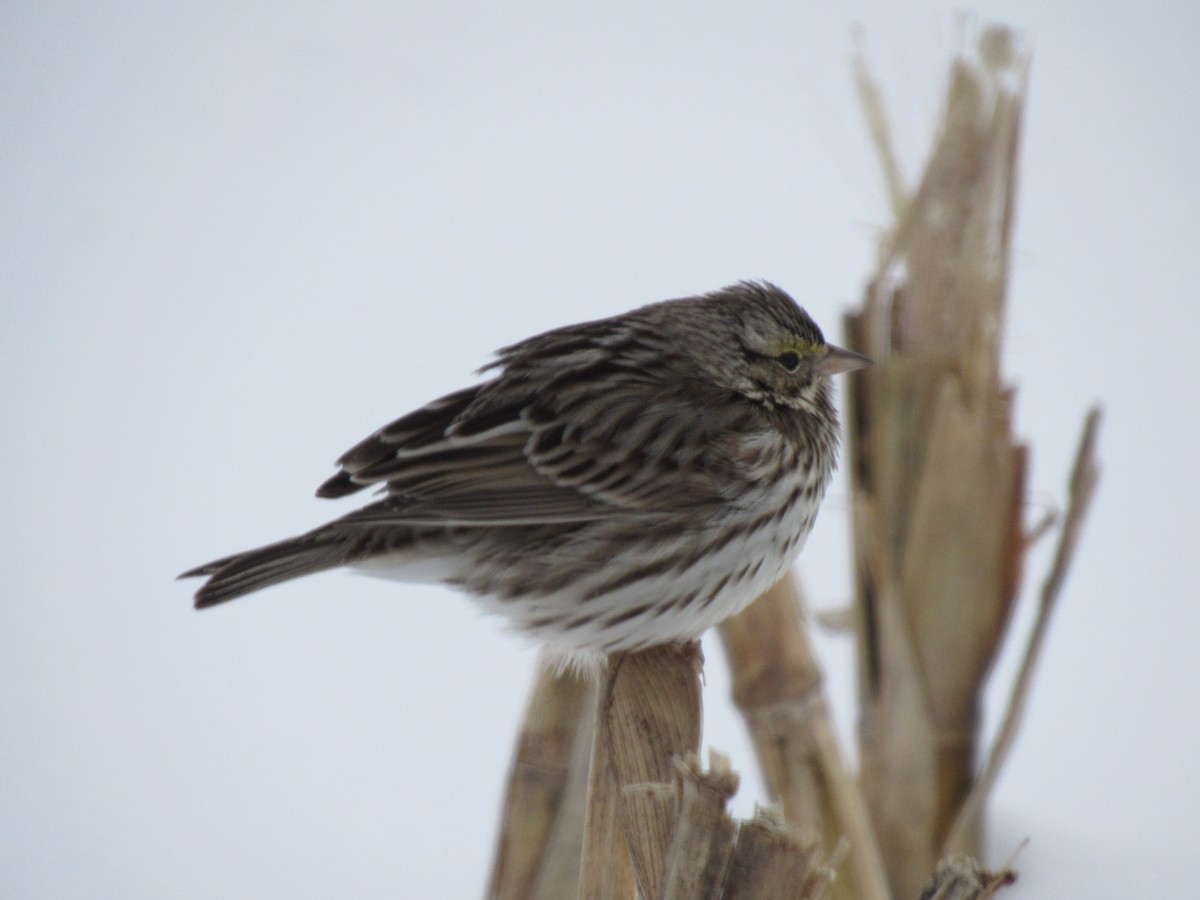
x=244, y=573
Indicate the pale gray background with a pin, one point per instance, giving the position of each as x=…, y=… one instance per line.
x=239, y=236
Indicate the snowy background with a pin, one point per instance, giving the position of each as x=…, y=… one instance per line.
x=237, y=237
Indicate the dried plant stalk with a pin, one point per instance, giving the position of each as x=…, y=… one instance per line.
x=655, y=824
x=959, y=879
x=606, y=871
x=773, y=859
x=777, y=688
x=703, y=839
x=605, y=868
x=558, y=875
x=1085, y=475
x=535, y=817
x=651, y=718
x=939, y=479
x=651, y=814
x=648, y=715
x=538, y=779
x=651, y=808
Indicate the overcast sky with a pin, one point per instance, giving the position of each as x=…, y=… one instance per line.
x=237, y=237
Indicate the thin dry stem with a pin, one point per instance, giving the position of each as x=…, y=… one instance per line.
x=605, y=870
x=558, y=874
x=875, y=113
x=558, y=709
x=1085, y=476
x=777, y=688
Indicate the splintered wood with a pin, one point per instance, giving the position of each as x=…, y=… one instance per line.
x=651, y=800
x=655, y=822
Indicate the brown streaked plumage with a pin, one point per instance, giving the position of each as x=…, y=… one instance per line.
x=611, y=486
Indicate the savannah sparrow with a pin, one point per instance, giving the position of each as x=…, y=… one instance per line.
x=614, y=485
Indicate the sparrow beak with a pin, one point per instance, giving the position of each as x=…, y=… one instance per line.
x=836, y=361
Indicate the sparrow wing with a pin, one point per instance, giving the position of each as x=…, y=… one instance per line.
x=497, y=454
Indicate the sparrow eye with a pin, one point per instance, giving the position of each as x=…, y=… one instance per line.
x=789, y=359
